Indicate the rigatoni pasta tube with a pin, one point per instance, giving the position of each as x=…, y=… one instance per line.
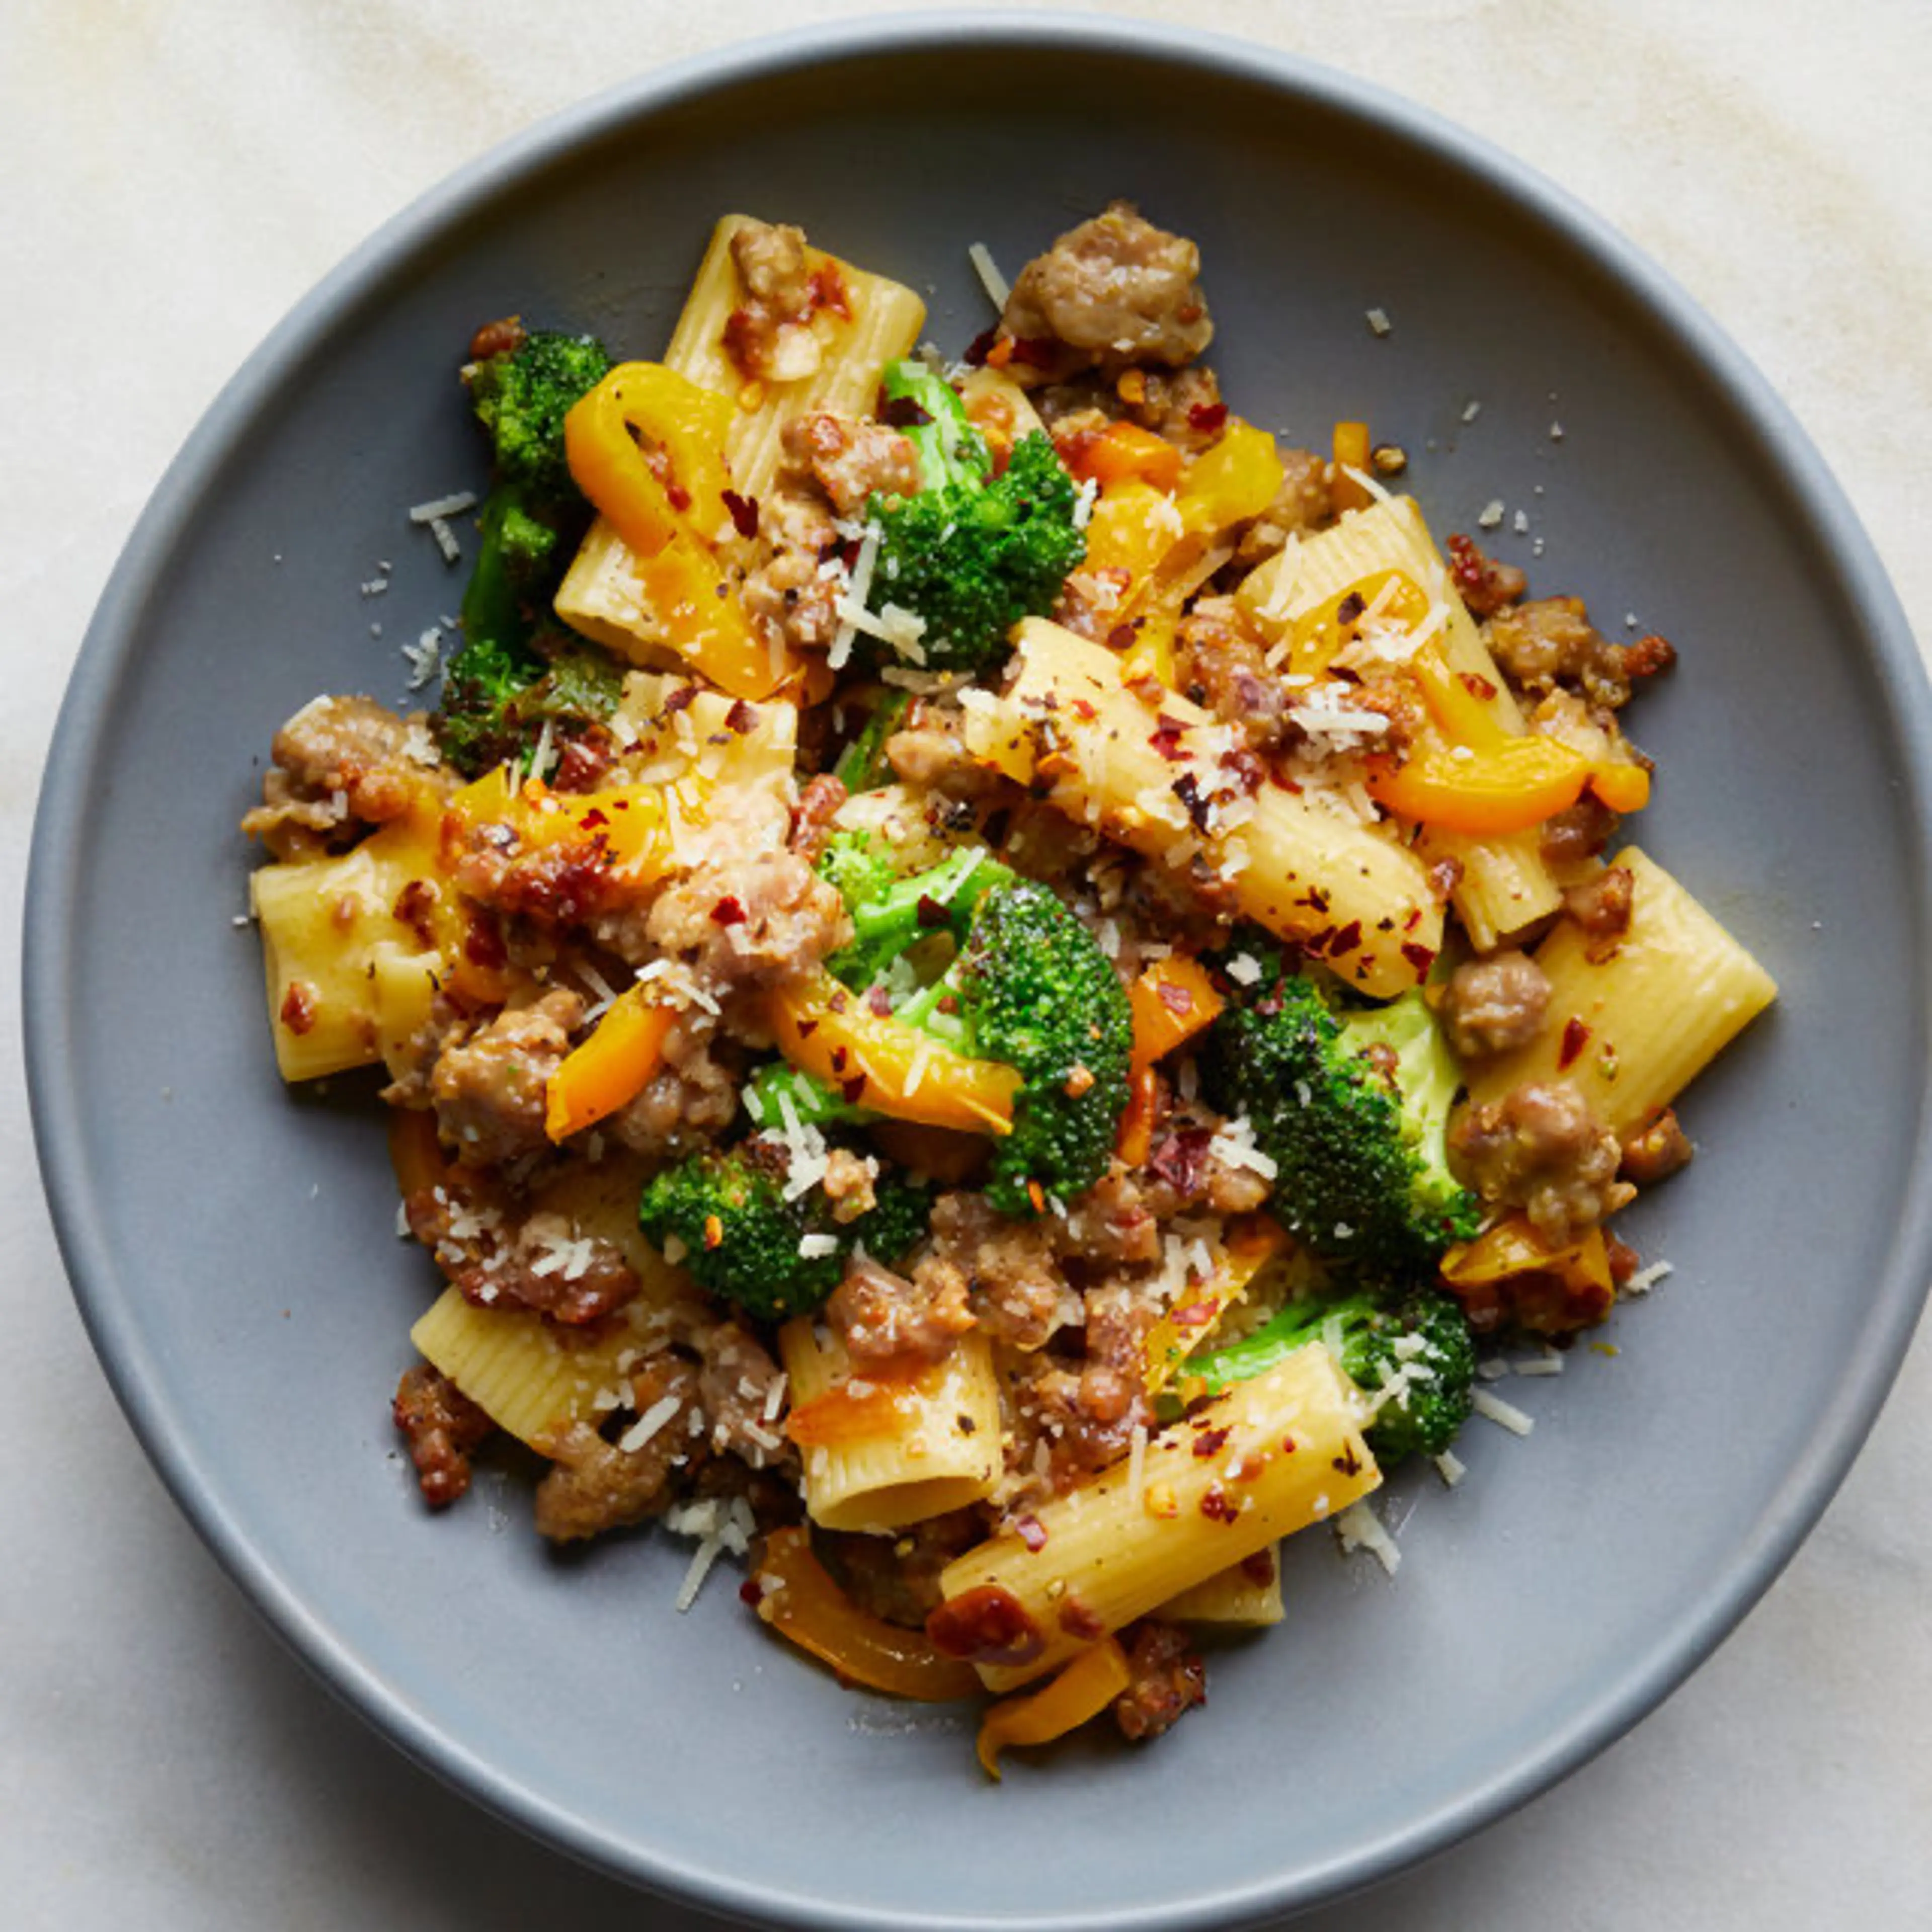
x=1634, y=1028
x=1244, y=1596
x=1271, y=1456
x=601, y=594
x=1335, y=885
x=891, y=1448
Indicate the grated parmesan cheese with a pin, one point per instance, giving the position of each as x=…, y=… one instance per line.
x=1505, y=1414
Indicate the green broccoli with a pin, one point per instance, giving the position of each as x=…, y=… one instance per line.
x=1417, y=1361
x=891, y=914
x=861, y=766
x=520, y=670
x=971, y=553
x=1351, y=1104
x=744, y=1241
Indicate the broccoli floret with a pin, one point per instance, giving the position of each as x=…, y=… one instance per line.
x=971, y=553
x=519, y=669
x=890, y=914
x=1417, y=1361
x=742, y=1237
x=521, y=398
x=1352, y=1106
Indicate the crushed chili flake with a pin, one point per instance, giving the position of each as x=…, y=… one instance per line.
x=1348, y=1463
x=741, y=717
x=840, y=1057
x=683, y=696
x=1194, y=1314
x=1421, y=958
x=1031, y=1531
x=744, y=511
x=986, y=1624
x=931, y=912
x=1208, y=417
x=900, y=412
x=1209, y=1442
x=1347, y=938
x=880, y=1001
x=976, y=350
x=1165, y=738
x=1121, y=637
x=853, y=1090
x=1576, y=1037
x=1217, y=1506
x=1187, y=789
x=730, y=911
x=1177, y=999
x=1077, y=1621
x=1351, y=607
x=1477, y=685
x=298, y=1005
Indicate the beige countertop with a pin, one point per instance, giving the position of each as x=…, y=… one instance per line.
x=178, y=178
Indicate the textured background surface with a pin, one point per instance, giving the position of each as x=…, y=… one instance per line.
x=179, y=179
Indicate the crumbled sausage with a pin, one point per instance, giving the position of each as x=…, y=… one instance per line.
x=897, y=1578
x=735, y=1387
x=852, y=458
x=1656, y=1152
x=1169, y=1678
x=690, y=1099
x=761, y=920
x=1304, y=501
x=340, y=762
x=487, y=1087
x=1010, y=1276
x=790, y=603
x=1485, y=585
x=1550, y=643
x=1114, y=292
x=1494, y=1005
x=593, y=1485
x=1541, y=1149
x=442, y=1425
x=769, y=336
x=1601, y=906
x=1580, y=833
x=880, y=1314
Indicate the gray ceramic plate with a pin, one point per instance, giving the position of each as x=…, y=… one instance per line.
x=232, y=1246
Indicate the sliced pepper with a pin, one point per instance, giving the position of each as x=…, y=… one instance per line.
x=1082, y=1691
x=1121, y=452
x=890, y=1390
x=609, y=1069
x=1351, y=448
x=1320, y=635
x=1172, y=1000
x=1233, y=480
x=878, y=1062
x=1251, y=1244
x=797, y=1596
x=676, y=486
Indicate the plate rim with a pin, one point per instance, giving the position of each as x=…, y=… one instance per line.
x=104, y=1298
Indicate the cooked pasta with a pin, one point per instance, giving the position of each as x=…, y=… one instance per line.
x=989, y=978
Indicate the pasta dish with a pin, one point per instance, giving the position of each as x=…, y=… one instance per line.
x=991, y=983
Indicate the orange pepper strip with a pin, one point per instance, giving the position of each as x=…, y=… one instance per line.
x=626, y=824
x=1132, y=527
x=1172, y=1001
x=1251, y=1245
x=1351, y=452
x=829, y=1032
x=1082, y=1691
x=705, y=623
x=1320, y=634
x=798, y=1599
x=1122, y=450
x=1135, y=1141
x=608, y=1069
x=838, y=1417
x=1498, y=783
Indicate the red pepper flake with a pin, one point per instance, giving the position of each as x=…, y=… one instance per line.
x=880, y=1001
x=298, y=1007
x=1166, y=738
x=975, y=357
x=1037, y=352
x=1187, y=789
x=1348, y=1463
x=841, y=1058
x=1477, y=685
x=1177, y=999
x=986, y=1624
x=679, y=699
x=806, y=1028
x=751, y=1592
x=1121, y=637
x=592, y=819
x=680, y=497
x=1217, y=1506
x=1194, y=1314
x=854, y=1089
x=828, y=291
x=1031, y=1531
x=1209, y=1442
x=1351, y=607
x=1180, y=1160
x=1576, y=1037
x=1287, y=1445
x=1408, y=925
x=729, y=911
x=1347, y=939
x=1083, y=710
x=744, y=513
x=741, y=717
x=1421, y=958
x=1208, y=417
x=931, y=912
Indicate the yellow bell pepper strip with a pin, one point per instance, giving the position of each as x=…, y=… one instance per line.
x=1133, y=525
x=827, y=1030
x=1081, y=1692
x=668, y=503
x=1351, y=448
x=648, y=503
x=1320, y=635
x=609, y=1068
x=1251, y=1244
x=791, y=1591
x=1121, y=452
x=1172, y=1000
x=1135, y=1141
x=1486, y=782
x=1232, y=481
